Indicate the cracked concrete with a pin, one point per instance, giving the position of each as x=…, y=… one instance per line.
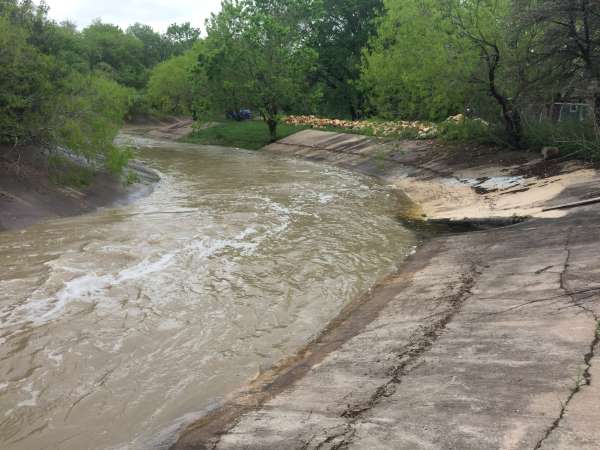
x=485, y=340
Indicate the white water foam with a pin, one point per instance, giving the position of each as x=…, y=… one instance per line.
x=32, y=400
x=40, y=309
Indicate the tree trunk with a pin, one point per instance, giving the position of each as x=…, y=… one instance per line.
x=514, y=128
x=353, y=112
x=512, y=120
x=510, y=114
x=272, y=124
x=596, y=100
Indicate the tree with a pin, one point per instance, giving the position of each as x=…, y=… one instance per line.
x=25, y=85
x=155, y=46
x=48, y=96
x=510, y=67
x=418, y=65
x=570, y=41
x=86, y=114
x=114, y=52
x=170, y=87
x=181, y=37
x=256, y=55
x=342, y=30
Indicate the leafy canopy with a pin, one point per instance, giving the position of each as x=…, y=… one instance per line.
x=256, y=55
x=419, y=64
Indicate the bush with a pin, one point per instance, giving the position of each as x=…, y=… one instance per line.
x=139, y=107
x=580, y=139
x=170, y=88
x=117, y=159
x=49, y=96
x=460, y=128
x=87, y=113
x=65, y=172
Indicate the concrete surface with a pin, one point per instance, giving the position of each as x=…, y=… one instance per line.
x=443, y=179
x=28, y=196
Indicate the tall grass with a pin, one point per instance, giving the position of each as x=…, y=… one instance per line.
x=577, y=139
x=468, y=130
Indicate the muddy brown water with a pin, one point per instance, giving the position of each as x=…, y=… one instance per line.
x=120, y=327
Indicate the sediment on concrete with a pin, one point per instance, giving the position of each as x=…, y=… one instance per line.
x=484, y=340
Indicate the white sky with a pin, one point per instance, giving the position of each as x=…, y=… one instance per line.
x=159, y=14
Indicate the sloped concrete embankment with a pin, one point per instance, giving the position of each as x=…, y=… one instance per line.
x=447, y=181
x=27, y=196
x=485, y=340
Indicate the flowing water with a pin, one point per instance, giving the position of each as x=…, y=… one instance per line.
x=118, y=327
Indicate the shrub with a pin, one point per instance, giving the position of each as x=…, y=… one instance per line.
x=460, y=128
x=65, y=172
x=117, y=159
x=580, y=139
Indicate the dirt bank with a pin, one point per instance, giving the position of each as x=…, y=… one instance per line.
x=28, y=196
x=483, y=340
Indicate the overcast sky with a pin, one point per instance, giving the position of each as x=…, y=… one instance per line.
x=157, y=13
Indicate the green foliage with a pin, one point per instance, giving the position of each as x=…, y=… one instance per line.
x=155, y=48
x=170, y=88
x=342, y=28
x=67, y=173
x=117, y=159
x=392, y=59
x=25, y=84
x=250, y=135
x=568, y=38
x=465, y=130
x=256, y=55
x=419, y=66
x=572, y=138
x=87, y=113
x=48, y=95
x=509, y=68
x=116, y=53
x=181, y=37
x=139, y=106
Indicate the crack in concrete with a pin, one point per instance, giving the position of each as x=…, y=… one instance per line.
x=421, y=341
x=585, y=379
x=345, y=437
x=216, y=443
x=571, y=294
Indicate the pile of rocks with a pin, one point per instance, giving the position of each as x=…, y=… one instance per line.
x=421, y=130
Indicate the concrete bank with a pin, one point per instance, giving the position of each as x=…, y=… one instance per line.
x=28, y=196
x=484, y=340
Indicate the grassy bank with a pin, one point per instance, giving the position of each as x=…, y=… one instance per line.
x=251, y=135
x=254, y=134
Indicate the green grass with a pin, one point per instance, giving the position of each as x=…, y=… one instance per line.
x=66, y=173
x=251, y=135
x=578, y=139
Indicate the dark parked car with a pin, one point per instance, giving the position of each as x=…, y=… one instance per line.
x=242, y=114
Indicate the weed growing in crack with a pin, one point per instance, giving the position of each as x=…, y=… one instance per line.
x=380, y=158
